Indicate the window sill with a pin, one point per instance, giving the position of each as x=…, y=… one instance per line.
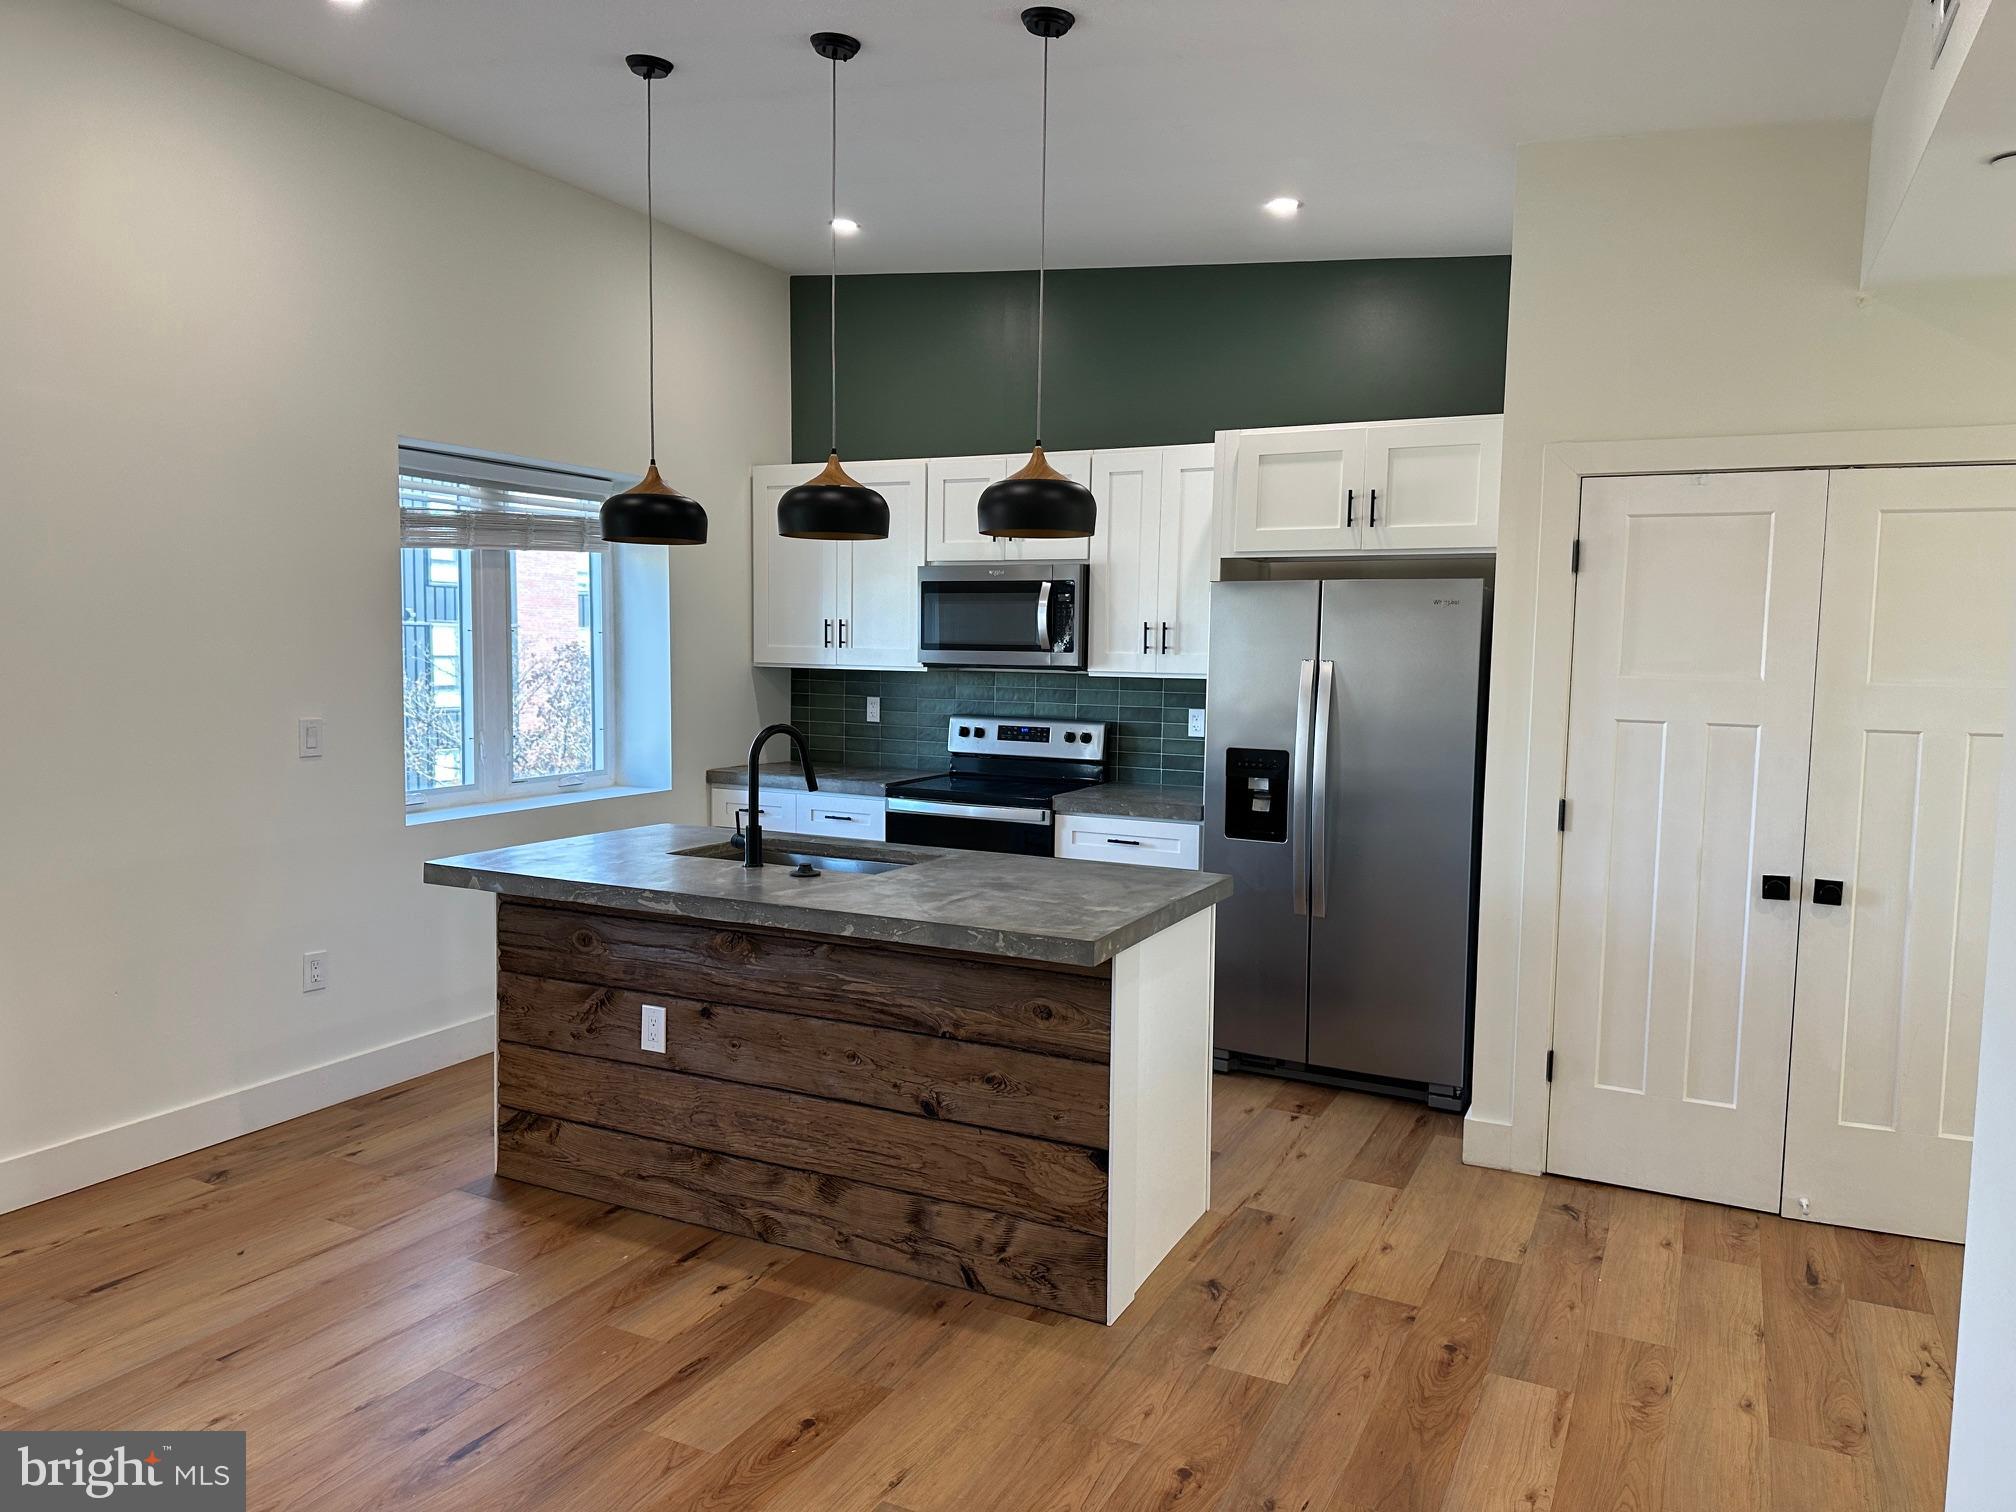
x=518, y=805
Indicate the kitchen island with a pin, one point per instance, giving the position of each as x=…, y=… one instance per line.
x=992, y=1071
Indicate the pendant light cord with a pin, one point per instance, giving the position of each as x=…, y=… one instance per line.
x=651, y=275
x=833, y=266
x=1042, y=235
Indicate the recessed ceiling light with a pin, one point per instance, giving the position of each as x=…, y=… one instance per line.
x=1282, y=205
x=347, y=4
x=844, y=227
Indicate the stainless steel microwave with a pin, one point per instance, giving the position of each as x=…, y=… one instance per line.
x=1003, y=614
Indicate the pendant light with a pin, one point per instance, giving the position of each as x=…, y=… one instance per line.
x=1039, y=502
x=653, y=513
x=832, y=506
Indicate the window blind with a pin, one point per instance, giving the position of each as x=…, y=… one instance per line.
x=466, y=504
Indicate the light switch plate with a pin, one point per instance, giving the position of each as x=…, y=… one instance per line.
x=1196, y=724
x=654, y=1028
x=874, y=710
x=308, y=738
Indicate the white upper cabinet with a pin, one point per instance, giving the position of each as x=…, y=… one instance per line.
x=1152, y=561
x=953, y=486
x=1433, y=485
x=796, y=583
x=1126, y=561
x=1188, y=548
x=952, y=523
x=1400, y=485
x=1298, y=490
x=877, y=591
x=837, y=603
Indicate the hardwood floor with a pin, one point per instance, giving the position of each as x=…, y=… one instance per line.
x=1362, y=1323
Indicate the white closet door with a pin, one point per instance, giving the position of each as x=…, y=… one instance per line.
x=1695, y=620
x=1907, y=744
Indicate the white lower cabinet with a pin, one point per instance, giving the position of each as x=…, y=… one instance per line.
x=779, y=811
x=850, y=816
x=1131, y=842
x=1784, y=753
x=1396, y=485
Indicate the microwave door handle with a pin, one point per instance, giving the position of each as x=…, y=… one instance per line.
x=1319, y=799
x=1298, y=779
x=1043, y=636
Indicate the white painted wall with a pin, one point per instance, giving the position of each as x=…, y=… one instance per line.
x=226, y=294
x=1685, y=284
x=1984, y=1383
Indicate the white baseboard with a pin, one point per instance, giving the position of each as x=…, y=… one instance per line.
x=1488, y=1142
x=37, y=1175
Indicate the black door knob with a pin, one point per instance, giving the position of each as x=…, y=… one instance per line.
x=1776, y=888
x=1826, y=892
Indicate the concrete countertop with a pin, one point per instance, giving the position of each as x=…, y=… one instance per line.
x=784, y=776
x=1134, y=800
x=1033, y=908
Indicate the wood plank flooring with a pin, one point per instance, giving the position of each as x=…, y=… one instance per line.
x=1362, y=1324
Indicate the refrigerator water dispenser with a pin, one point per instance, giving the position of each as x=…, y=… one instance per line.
x=1256, y=794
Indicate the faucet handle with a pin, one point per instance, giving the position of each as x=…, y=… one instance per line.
x=739, y=839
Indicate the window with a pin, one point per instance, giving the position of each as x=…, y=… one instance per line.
x=505, y=611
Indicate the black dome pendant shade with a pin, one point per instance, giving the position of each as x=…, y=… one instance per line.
x=1038, y=502
x=833, y=506
x=652, y=512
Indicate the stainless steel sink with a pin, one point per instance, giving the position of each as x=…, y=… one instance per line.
x=788, y=859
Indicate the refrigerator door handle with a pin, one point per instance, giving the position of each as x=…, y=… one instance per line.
x=1319, y=797
x=1298, y=787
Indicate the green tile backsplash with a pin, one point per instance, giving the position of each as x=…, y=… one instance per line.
x=1146, y=717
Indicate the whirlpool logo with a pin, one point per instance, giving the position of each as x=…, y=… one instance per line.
x=184, y=1472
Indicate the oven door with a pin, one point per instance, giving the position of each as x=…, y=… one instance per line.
x=969, y=826
x=1014, y=615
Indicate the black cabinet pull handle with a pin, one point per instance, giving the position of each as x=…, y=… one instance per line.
x=1113, y=840
x=1827, y=892
x=829, y=633
x=1144, y=637
x=1775, y=888
x=843, y=633
x=1165, y=637
x=1350, y=507
x=1372, y=506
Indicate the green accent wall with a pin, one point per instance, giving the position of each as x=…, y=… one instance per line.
x=943, y=364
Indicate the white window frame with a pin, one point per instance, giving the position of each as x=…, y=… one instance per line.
x=487, y=673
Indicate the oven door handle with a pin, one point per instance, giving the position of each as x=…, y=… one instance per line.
x=968, y=811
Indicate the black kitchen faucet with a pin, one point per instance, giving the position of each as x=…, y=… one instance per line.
x=752, y=844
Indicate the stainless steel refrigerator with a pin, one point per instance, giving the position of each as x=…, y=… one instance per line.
x=1341, y=792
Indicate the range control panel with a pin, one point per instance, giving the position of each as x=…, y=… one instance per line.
x=985, y=735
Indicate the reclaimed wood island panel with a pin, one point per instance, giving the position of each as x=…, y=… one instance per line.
x=1033, y=1129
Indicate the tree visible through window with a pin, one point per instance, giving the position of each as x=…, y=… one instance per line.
x=503, y=637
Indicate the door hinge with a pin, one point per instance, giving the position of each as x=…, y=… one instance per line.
x=1575, y=556
x=1550, y=1065
x=1561, y=816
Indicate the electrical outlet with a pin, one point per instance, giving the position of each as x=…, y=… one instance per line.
x=308, y=738
x=874, y=710
x=1196, y=724
x=653, y=1037
x=315, y=971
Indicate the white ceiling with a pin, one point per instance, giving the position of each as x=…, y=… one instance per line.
x=1171, y=119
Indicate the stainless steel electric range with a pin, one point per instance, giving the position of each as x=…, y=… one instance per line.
x=996, y=796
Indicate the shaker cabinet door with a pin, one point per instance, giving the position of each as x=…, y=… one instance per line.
x=795, y=588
